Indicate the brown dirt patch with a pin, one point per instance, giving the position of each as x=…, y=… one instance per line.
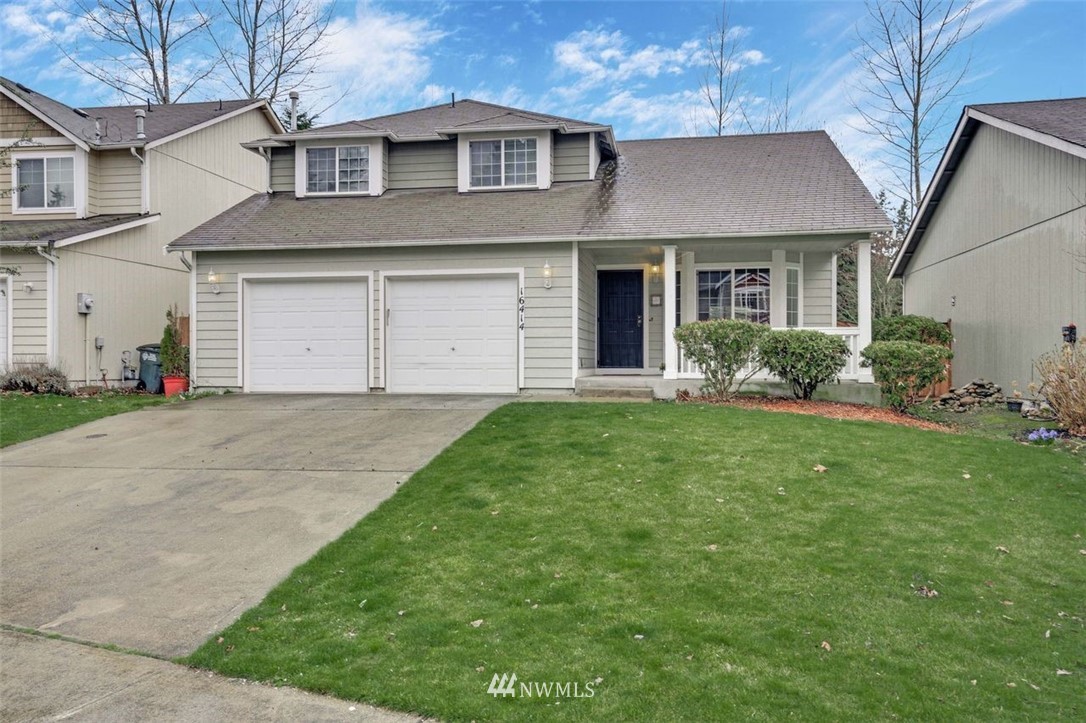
x=831, y=410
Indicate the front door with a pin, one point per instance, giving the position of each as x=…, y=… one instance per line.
x=620, y=308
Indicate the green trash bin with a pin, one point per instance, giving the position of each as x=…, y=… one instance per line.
x=150, y=368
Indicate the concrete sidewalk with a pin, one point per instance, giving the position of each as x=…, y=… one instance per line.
x=44, y=679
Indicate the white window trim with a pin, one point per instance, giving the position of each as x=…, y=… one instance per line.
x=376, y=161
x=6, y=283
x=542, y=159
x=798, y=268
x=79, y=182
x=698, y=268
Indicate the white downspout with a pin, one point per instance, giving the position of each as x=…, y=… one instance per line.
x=266, y=153
x=50, y=302
x=145, y=191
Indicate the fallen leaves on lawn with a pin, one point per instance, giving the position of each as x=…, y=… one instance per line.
x=967, y=476
x=711, y=548
x=925, y=591
x=781, y=492
x=480, y=669
x=819, y=468
x=826, y=646
x=639, y=637
x=476, y=623
x=1061, y=671
x=1004, y=550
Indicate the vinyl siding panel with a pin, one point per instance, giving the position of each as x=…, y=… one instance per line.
x=548, y=314
x=1002, y=245
x=15, y=121
x=818, y=289
x=282, y=170
x=118, y=182
x=92, y=183
x=28, y=310
x=570, y=157
x=430, y=164
x=586, y=325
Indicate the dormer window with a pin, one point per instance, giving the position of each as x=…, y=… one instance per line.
x=503, y=163
x=341, y=169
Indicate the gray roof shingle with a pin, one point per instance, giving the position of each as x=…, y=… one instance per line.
x=1063, y=118
x=22, y=233
x=118, y=122
x=727, y=186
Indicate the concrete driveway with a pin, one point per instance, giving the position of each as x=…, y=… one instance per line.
x=155, y=529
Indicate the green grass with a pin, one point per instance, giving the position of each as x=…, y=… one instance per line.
x=571, y=529
x=26, y=417
x=987, y=422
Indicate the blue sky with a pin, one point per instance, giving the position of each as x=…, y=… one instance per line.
x=634, y=65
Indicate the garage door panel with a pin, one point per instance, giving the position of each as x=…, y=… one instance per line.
x=453, y=335
x=308, y=335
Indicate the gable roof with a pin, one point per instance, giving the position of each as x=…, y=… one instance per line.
x=117, y=124
x=731, y=186
x=1058, y=123
x=65, y=232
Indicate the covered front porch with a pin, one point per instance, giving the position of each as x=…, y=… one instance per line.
x=632, y=297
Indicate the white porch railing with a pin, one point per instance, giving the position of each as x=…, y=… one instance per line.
x=851, y=370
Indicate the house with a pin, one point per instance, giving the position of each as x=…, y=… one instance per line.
x=90, y=200
x=998, y=245
x=476, y=248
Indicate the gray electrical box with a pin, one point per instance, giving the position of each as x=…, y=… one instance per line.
x=84, y=302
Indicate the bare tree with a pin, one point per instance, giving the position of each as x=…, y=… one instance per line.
x=144, y=49
x=912, y=65
x=886, y=293
x=721, y=82
x=775, y=116
x=272, y=45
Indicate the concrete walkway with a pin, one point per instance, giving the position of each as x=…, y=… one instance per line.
x=155, y=529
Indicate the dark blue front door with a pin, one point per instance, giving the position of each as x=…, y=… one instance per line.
x=619, y=308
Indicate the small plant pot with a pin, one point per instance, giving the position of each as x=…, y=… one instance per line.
x=1014, y=405
x=175, y=385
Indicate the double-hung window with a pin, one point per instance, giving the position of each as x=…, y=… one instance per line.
x=741, y=293
x=504, y=162
x=342, y=169
x=45, y=183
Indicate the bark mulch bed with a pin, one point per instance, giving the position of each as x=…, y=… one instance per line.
x=831, y=410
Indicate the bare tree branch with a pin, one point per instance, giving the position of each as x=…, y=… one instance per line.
x=722, y=80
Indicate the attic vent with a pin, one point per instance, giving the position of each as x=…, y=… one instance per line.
x=81, y=113
x=23, y=88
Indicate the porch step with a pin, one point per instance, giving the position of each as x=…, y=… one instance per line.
x=616, y=393
x=615, y=387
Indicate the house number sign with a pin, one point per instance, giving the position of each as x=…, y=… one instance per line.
x=520, y=309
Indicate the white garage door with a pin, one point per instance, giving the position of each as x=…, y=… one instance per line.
x=307, y=336
x=4, y=330
x=453, y=335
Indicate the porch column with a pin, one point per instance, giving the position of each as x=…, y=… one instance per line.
x=689, y=303
x=778, y=290
x=671, y=349
x=863, y=301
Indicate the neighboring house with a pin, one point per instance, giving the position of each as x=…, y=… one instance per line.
x=475, y=248
x=998, y=245
x=89, y=204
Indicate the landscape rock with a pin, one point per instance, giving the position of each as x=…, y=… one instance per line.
x=970, y=396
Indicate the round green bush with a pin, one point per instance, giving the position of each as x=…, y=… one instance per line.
x=803, y=358
x=726, y=351
x=910, y=327
x=904, y=368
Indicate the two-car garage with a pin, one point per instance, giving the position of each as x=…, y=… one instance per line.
x=440, y=334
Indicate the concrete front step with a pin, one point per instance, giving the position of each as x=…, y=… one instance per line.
x=600, y=392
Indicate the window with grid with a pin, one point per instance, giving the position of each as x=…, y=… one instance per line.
x=46, y=182
x=793, y=297
x=345, y=169
x=734, y=294
x=508, y=162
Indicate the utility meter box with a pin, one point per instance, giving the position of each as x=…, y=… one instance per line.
x=84, y=302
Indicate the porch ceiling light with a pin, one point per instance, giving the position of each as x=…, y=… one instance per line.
x=548, y=273
x=213, y=279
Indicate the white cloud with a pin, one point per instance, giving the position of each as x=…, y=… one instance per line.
x=598, y=56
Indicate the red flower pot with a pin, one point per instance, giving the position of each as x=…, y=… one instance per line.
x=175, y=385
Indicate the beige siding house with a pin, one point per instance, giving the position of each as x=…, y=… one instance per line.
x=90, y=202
x=998, y=246
x=476, y=248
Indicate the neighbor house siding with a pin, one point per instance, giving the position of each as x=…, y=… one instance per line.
x=119, y=185
x=818, y=289
x=15, y=122
x=28, y=309
x=586, y=325
x=92, y=183
x=999, y=256
x=282, y=170
x=548, y=313
x=570, y=157
x=422, y=165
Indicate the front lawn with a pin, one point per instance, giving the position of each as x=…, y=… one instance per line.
x=24, y=417
x=688, y=562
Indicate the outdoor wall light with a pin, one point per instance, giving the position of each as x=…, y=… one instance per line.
x=655, y=269
x=28, y=287
x=548, y=273
x=213, y=279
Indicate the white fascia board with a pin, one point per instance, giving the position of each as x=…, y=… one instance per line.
x=501, y=129
x=32, y=143
x=332, y=135
x=206, y=124
x=44, y=119
x=141, y=221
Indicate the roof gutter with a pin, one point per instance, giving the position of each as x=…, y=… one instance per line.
x=659, y=238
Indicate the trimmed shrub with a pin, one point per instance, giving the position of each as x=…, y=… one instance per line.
x=34, y=378
x=910, y=327
x=1063, y=384
x=726, y=351
x=904, y=368
x=803, y=358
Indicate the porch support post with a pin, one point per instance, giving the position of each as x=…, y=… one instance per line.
x=778, y=290
x=863, y=301
x=689, y=302
x=671, y=349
